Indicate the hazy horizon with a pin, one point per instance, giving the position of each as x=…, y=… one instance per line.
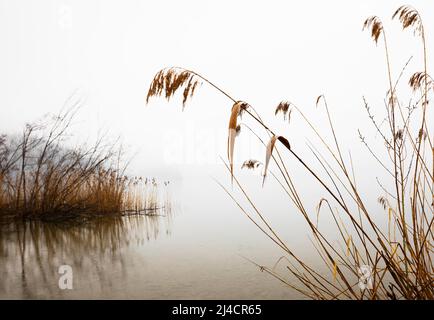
x=107, y=54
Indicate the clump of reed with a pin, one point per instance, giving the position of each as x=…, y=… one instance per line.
x=42, y=178
x=400, y=254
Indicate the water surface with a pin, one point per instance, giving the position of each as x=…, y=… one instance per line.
x=196, y=251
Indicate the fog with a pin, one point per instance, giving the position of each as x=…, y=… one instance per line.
x=105, y=53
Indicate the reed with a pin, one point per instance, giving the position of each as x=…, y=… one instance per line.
x=43, y=179
x=400, y=255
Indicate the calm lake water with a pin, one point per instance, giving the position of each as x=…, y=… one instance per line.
x=196, y=251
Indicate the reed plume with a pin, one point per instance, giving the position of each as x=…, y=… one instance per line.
x=167, y=81
x=409, y=17
x=418, y=79
x=251, y=164
x=375, y=25
x=284, y=107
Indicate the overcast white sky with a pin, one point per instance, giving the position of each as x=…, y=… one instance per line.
x=259, y=51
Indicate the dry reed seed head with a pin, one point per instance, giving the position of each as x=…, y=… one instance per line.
x=167, y=81
x=392, y=99
x=251, y=164
x=422, y=135
x=409, y=17
x=418, y=79
x=375, y=25
x=383, y=202
x=284, y=107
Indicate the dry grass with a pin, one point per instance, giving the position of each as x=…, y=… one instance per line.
x=400, y=253
x=41, y=178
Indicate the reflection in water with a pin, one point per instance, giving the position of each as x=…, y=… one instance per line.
x=31, y=252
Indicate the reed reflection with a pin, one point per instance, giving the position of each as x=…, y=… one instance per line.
x=32, y=251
